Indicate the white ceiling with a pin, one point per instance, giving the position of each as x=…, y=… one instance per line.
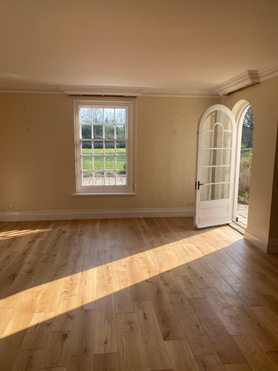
x=163, y=46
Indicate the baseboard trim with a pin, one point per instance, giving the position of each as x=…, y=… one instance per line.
x=255, y=238
x=94, y=214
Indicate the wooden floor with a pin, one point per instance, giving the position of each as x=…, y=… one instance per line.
x=135, y=294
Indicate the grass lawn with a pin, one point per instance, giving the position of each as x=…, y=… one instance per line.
x=87, y=161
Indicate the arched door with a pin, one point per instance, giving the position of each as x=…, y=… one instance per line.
x=215, y=167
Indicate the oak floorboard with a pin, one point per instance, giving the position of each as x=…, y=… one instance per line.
x=146, y=294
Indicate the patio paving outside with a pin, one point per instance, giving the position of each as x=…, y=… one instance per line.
x=242, y=214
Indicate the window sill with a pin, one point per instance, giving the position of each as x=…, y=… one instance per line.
x=105, y=194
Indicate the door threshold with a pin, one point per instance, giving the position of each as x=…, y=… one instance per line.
x=237, y=227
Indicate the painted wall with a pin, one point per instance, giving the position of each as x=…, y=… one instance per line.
x=264, y=101
x=37, y=153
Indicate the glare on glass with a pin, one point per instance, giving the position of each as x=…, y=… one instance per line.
x=97, y=115
x=85, y=115
x=109, y=115
x=110, y=178
x=120, y=115
x=121, y=178
x=87, y=179
x=99, y=178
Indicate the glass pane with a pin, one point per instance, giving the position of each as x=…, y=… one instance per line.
x=121, y=162
x=218, y=136
x=225, y=174
x=98, y=147
x=98, y=163
x=109, y=162
x=225, y=191
x=215, y=117
x=121, y=178
x=120, y=148
x=97, y=115
x=86, y=147
x=86, y=131
x=109, y=131
x=120, y=132
x=85, y=115
x=205, y=174
x=206, y=157
x=109, y=115
x=109, y=147
x=87, y=179
x=98, y=131
x=99, y=178
x=227, y=143
x=226, y=160
x=120, y=116
x=87, y=163
x=110, y=178
x=216, y=175
x=207, y=139
x=210, y=192
x=217, y=157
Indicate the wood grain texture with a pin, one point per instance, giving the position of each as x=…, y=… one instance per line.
x=135, y=294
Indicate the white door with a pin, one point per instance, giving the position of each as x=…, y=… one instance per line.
x=215, y=167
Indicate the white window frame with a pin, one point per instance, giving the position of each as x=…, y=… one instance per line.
x=106, y=189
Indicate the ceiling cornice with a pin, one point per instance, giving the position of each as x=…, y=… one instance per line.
x=101, y=90
x=240, y=81
x=268, y=72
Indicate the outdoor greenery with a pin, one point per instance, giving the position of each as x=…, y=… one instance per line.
x=87, y=161
x=246, y=157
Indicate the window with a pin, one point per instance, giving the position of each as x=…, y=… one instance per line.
x=103, y=147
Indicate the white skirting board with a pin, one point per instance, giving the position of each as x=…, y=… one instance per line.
x=267, y=245
x=95, y=214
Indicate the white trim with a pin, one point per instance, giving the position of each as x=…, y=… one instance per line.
x=116, y=189
x=268, y=72
x=255, y=238
x=242, y=80
x=239, y=118
x=101, y=90
x=95, y=214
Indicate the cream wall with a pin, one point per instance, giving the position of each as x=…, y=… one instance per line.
x=37, y=153
x=264, y=101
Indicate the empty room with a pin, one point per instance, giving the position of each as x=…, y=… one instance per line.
x=138, y=185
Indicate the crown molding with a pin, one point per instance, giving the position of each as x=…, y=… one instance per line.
x=246, y=78
x=101, y=90
x=36, y=89
x=268, y=72
x=181, y=93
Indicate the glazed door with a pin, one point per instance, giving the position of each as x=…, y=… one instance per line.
x=215, y=167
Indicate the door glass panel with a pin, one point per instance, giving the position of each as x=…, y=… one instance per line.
x=218, y=136
x=227, y=142
x=207, y=139
x=226, y=158
x=225, y=191
x=225, y=176
x=206, y=157
x=206, y=175
x=216, y=117
x=210, y=192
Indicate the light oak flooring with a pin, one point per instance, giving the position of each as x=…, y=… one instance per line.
x=135, y=294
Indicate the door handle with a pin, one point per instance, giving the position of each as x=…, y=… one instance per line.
x=199, y=184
